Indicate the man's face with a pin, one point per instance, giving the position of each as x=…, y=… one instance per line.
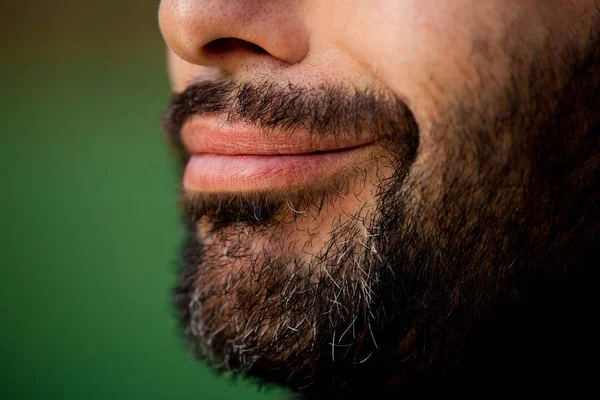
x=370, y=185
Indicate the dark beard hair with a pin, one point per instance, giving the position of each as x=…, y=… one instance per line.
x=485, y=281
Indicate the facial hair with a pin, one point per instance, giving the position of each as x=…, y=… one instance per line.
x=452, y=267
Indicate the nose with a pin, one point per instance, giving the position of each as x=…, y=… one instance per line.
x=233, y=33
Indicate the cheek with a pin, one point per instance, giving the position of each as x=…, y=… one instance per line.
x=422, y=50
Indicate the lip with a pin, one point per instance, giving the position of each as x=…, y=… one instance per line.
x=234, y=157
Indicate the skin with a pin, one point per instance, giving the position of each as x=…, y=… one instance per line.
x=458, y=66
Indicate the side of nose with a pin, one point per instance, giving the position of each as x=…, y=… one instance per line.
x=227, y=33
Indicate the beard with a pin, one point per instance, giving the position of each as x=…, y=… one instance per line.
x=467, y=259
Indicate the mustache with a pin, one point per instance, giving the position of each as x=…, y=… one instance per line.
x=326, y=110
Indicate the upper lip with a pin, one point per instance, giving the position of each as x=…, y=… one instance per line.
x=201, y=135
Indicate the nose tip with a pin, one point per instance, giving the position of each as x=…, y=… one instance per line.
x=227, y=33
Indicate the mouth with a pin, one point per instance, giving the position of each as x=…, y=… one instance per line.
x=234, y=157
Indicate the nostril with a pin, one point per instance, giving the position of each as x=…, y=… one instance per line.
x=228, y=45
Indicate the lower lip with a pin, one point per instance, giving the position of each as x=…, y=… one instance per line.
x=219, y=173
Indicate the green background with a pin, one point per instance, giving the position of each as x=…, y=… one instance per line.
x=90, y=230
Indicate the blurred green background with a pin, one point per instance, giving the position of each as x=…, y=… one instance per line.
x=90, y=230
